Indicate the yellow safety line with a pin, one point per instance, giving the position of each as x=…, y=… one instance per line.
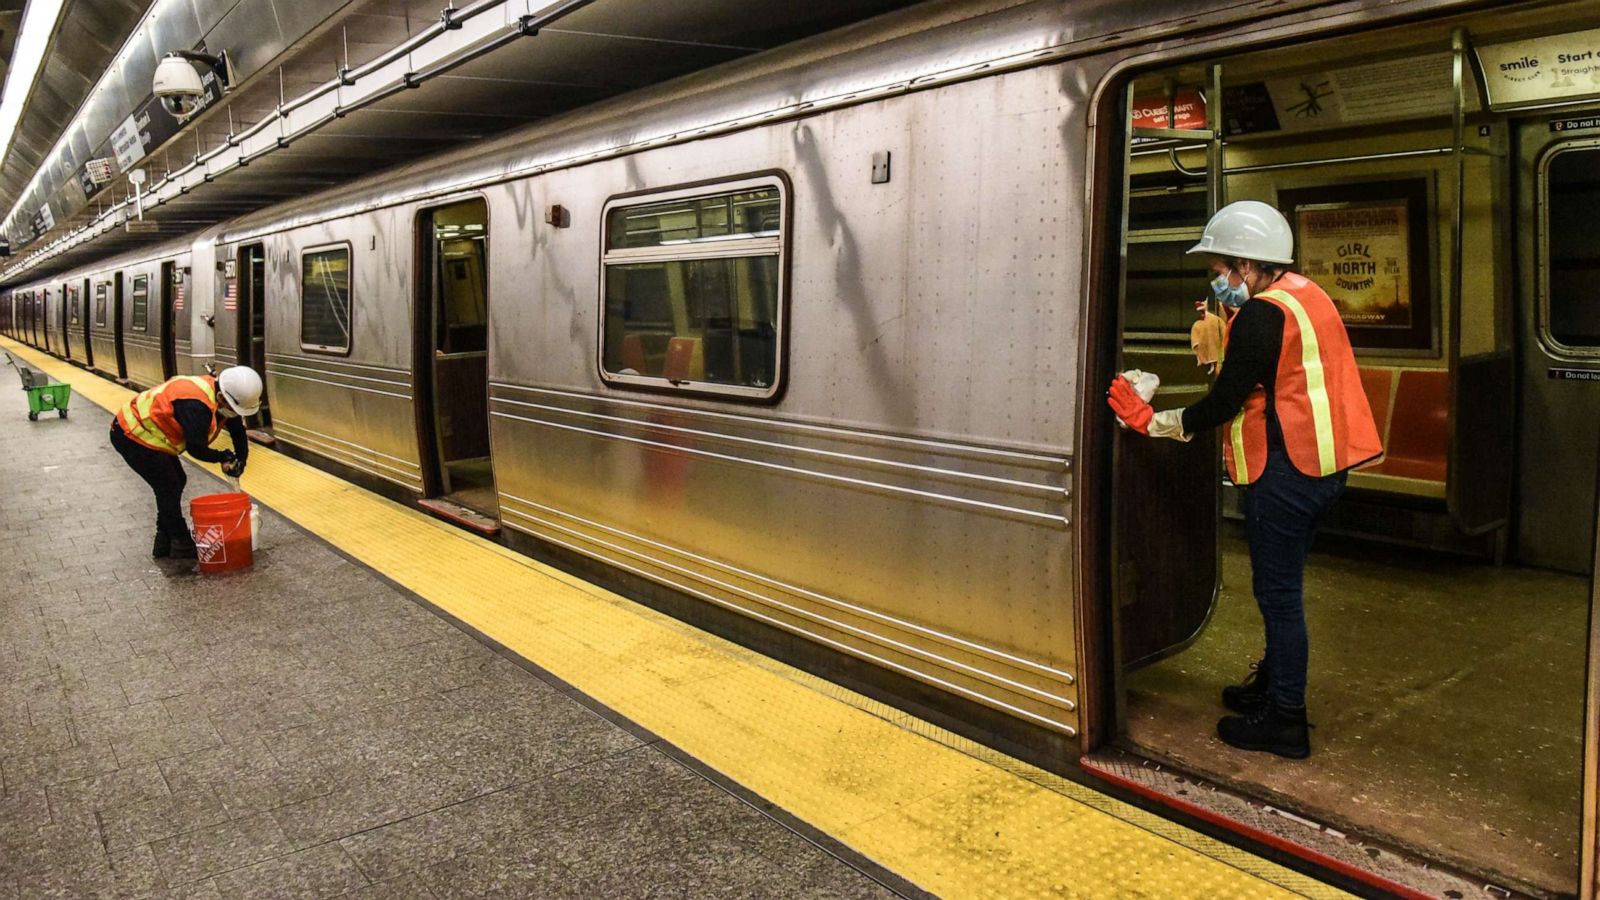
x=952, y=822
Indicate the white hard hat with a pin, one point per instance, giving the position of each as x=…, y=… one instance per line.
x=1248, y=229
x=240, y=386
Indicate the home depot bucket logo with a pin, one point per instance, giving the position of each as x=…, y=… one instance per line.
x=210, y=546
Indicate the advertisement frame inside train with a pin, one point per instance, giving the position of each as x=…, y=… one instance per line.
x=1448, y=595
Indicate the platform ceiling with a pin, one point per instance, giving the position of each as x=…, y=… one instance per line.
x=589, y=51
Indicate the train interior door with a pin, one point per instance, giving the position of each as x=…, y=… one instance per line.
x=452, y=356
x=252, y=337
x=1448, y=594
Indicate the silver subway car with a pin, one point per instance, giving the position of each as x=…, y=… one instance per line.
x=811, y=348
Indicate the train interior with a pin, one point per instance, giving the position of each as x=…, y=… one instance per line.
x=453, y=337
x=1448, y=596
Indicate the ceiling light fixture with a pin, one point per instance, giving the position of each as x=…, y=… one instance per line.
x=38, y=24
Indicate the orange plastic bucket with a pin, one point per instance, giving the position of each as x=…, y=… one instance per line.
x=222, y=532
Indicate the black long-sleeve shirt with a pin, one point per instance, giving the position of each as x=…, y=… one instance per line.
x=195, y=417
x=1254, y=342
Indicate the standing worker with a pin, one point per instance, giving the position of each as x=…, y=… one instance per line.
x=1298, y=422
x=182, y=415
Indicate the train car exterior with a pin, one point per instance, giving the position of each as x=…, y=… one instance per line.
x=832, y=366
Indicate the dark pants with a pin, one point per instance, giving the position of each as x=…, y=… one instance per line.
x=164, y=473
x=1281, y=511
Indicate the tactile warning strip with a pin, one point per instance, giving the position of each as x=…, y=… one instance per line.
x=948, y=816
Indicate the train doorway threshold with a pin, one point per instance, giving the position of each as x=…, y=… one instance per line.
x=1446, y=698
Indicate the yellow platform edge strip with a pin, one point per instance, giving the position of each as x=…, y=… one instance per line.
x=950, y=816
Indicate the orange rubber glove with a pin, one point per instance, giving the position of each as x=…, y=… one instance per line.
x=1129, y=406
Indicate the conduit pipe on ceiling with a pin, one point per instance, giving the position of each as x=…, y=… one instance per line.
x=458, y=37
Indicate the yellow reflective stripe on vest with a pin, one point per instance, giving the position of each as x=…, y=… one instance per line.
x=1241, y=459
x=1316, y=382
x=142, y=428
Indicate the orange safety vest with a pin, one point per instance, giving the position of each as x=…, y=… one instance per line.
x=148, y=418
x=1321, y=407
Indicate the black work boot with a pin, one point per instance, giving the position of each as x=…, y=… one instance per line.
x=1270, y=729
x=1249, y=695
x=183, y=547
x=163, y=546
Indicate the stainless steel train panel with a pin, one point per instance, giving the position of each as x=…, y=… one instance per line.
x=103, y=322
x=77, y=319
x=355, y=408
x=906, y=499
x=141, y=337
x=54, y=334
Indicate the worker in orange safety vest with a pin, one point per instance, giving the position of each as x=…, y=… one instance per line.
x=1297, y=421
x=184, y=414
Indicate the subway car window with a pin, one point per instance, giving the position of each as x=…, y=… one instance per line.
x=325, y=300
x=1572, y=193
x=72, y=304
x=693, y=291
x=141, y=303
x=100, y=306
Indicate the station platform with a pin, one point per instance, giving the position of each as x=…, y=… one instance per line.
x=388, y=706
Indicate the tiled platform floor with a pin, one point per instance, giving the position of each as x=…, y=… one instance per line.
x=305, y=730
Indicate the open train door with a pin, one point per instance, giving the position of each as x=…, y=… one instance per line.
x=169, y=349
x=117, y=329
x=1166, y=557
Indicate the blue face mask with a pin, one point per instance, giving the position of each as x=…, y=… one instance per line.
x=1229, y=295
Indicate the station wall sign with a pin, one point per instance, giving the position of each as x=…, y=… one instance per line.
x=149, y=127
x=42, y=221
x=1542, y=71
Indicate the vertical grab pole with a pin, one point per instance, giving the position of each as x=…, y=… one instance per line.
x=1458, y=63
x=1216, y=173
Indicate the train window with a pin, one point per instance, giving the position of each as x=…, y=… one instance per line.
x=1572, y=289
x=100, y=306
x=325, y=300
x=72, y=303
x=693, y=289
x=141, y=303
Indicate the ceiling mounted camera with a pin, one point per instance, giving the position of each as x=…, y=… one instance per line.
x=181, y=87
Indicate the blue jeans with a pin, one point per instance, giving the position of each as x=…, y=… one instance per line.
x=1281, y=512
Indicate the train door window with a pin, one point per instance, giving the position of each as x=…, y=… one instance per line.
x=101, y=303
x=694, y=289
x=72, y=305
x=325, y=299
x=1572, y=289
x=141, y=303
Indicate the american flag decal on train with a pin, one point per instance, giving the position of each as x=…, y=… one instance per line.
x=230, y=297
x=177, y=296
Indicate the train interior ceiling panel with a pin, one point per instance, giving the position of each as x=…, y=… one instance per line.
x=779, y=371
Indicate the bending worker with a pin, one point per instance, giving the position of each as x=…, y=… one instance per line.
x=1297, y=421
x=184, y=414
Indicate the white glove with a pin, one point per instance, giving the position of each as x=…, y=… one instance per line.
x=1168, y=423
x=1145, y=384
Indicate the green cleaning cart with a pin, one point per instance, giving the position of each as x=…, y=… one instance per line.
x=43, y=394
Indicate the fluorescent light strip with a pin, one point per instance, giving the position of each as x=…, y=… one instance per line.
x=38, y=24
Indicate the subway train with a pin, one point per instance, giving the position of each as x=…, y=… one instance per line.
x=811, y=349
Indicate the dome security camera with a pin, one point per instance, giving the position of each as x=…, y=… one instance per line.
x=177, y=83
